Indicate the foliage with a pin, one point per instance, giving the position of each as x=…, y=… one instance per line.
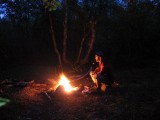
x=51, y=5
x=129, y=31
x=3, y=101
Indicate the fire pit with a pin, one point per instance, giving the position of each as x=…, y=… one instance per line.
x=64, y=85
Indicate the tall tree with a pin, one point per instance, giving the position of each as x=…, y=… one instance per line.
x=65, y=24
x=52, y=5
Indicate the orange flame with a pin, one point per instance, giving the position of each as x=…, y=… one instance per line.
x=66, y=83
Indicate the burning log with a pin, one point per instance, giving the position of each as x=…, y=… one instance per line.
x=64, y=86
x=65, y=83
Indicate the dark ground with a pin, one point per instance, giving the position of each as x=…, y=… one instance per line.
x=137, y=98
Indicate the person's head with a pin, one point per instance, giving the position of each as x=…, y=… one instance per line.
x=98, y=56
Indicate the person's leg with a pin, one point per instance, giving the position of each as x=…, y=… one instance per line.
x=100, y=80
x=94, y=78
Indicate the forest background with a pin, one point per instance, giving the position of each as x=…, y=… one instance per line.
x=126, y=31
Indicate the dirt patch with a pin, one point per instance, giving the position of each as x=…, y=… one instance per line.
x=137, y=97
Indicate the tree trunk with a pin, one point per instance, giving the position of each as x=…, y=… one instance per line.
x=81, y=45
x=65, y=33
x=93, y=33
x=54, y=42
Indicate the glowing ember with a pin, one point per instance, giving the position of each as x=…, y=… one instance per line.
x=65, y=83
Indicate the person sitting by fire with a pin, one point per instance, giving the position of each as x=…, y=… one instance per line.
x=102, y=73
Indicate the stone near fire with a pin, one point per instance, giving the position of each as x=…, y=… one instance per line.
x=60, y=89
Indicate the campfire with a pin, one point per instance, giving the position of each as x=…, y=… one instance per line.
x=66, y=84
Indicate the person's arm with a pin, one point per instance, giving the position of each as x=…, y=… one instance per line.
x=96, y=70
x=101, y=67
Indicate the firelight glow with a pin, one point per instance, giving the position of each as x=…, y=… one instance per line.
x=65, y=83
